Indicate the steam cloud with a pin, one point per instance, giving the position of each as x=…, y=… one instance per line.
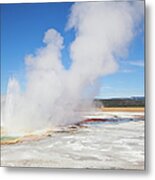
x=53, y=94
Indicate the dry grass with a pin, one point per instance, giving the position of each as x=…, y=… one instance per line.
x=123, y=109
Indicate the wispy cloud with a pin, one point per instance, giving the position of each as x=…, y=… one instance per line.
x=139, y=63
x=126, y=63
x=126, y=71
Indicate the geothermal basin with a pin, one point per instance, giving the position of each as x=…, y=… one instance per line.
x=104, y=140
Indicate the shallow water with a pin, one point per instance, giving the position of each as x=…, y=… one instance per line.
x=101, y=145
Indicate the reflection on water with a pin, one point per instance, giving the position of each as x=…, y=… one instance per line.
x=114, y=144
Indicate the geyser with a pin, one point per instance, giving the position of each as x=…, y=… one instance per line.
x=53, y=94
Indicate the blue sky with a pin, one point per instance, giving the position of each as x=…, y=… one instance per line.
x=22, y=30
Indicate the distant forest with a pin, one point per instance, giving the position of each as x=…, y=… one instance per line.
x=120, y=102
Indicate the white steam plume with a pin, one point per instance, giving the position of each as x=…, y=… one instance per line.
x=53, y=94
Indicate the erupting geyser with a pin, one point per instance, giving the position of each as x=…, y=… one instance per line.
x=53, y=94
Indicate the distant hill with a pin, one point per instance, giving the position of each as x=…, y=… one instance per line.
x=121, y=102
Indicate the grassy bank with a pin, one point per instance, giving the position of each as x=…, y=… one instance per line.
x=123, y=109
